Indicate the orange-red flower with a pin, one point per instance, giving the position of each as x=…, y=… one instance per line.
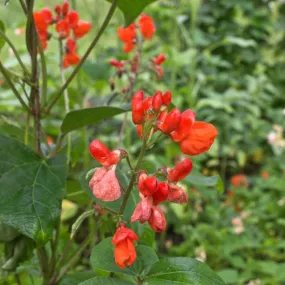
x=146, y=26
x=128, y=36
x=239, y=180
x=125, y=251
x=200, y=138
x=180, y=171
x=70, y=56
x=81, y=29
x=171, y=121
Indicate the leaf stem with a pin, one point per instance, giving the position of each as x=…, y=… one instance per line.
x=89, y=50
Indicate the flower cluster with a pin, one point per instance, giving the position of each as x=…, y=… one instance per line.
x=65, y=21
x=153, y=192
x=194, y=137
x=150, y=115
x=133, y=38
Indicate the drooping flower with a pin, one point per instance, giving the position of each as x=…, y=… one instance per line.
x=177, y=195
x=146, y=26
x=105, y=184
x=142, y=211
x=157, y=219
x=125, y=251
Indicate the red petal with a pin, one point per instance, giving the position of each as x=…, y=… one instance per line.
x=82, y=29
x=137, y=108
x=146, y=26
x=171, y=121
x=180, y=171
x=177, y=195
x=73, y=19
x=142, y=211
x=157, y=101
x=99, y=151
x=162, y=193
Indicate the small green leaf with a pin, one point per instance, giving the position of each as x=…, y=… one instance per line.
x=132, y=8
x=80, y=118
x=182, y=270
x=2, y=28
x=32, y=189
x=105, y=281
x=102, y=258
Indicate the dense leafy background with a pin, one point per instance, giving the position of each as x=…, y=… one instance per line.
x=225, y=60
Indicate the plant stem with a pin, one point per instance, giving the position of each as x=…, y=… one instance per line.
x=57, y=146
x=15, y=52
x=27, y=129
x=89, y=50
x=133, y=177
x=24, y=7
x=17, y=278
x=44, y=74
x=11, y=85
x=66, y=98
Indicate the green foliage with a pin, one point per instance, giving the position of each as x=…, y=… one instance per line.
x=37, y=187
x=2, y=28
x=106, y=281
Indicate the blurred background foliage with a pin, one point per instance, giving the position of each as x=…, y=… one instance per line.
x=226, y=61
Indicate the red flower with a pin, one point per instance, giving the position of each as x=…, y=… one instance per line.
x=166, y=98
x=117, y=64
x=81, y=29
x=177, y=195
x=43, y=19
x=265, y=175
x=142, y=211
x=146, y=26
x=161, y=193
x=138, y=108
x=72, y=19
x=70, y=56
x=159, y=72
x=128, y=36
x=105, y=185
x=147, y=184
x=103, y=155
x=62, y=28
x=125, y=251
x=239, y=180
x=171, y=122
x=180, y=171
x=157, y=101
x=157, y=219
x=159, y=59
x=184, y=127
x=200, y=138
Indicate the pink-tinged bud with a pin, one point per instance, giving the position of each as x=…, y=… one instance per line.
x=161, y=193
x=159, y=59
x=180, y=171
x=171, y=121
x=185, y=125
x=117, y=64
x=157, y=101
x=147, y=184
x=142, y=211
x=166, y=98
x=177, y=195
x=137, y=108
x=157, y=219
x=105, y=185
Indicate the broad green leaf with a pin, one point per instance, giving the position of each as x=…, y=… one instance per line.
x=106, y=281
x=80, y=118
x=132, y=8
x=102, y=258
x=230, y=276
x=2, y=28
x=181, y=270
x=31, y=189
x=197, y=179
x=75, y=278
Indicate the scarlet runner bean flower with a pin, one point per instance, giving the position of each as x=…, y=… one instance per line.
x=239, y=180
x=125, y=251
x=66, y=22
x=104, y=183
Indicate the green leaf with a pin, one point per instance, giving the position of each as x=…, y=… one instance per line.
x=230, y=276
x=244, y=43
x=80, y=118
x=2, y=28
x=181, y=270
x=102, y=258
x=75, y=278
x=132, y=8
x=105, y=281
x=197, y=179
x=31, y=189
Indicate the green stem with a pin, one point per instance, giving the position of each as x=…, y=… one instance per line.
x=44, y=74
x=133, y=177
x=27, y=129
x=24, y=7
x=11, y=85
x=89, y=50
x=26, y=71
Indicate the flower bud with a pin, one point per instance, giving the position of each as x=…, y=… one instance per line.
x=161, y=193
x=166, y=98
x=137, y=108
x=159, y=59
x=157, y=101
x=177, y=195
x=180, y=171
